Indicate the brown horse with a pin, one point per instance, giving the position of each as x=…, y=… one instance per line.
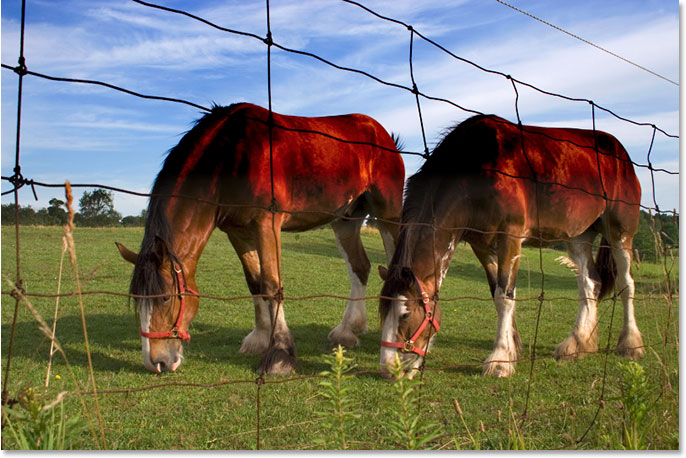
x=495, y=187
x=329, y=170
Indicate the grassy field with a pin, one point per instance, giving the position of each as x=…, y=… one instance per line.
x=564, y=397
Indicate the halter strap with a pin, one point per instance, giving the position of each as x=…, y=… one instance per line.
x=408, y=346
x=175, y=332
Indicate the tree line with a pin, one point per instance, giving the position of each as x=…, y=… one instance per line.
x=96, y=209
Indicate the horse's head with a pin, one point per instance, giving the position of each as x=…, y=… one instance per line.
x=165, y=316
x=409, y=319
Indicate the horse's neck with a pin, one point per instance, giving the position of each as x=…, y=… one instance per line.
x=435, y=225
x=192, y=230
x=428, y=251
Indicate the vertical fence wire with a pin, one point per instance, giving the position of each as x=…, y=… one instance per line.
x=21, y=71
x=541, y=297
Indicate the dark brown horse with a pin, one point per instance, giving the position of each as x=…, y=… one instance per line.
x=328, y=170
x=496, y=188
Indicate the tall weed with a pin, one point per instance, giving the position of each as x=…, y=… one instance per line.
x=37, y=426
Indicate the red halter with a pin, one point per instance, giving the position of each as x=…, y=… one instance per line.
x=175, y=333
x=408, y=346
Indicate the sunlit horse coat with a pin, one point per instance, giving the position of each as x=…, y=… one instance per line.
x=223, y=173
x=494, y=186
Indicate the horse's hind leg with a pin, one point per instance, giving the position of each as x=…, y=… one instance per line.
x=354, y=320
x=280, y=356
x=584, y=336
x=245, y=244
x=630, y=340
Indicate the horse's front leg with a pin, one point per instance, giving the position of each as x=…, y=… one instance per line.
x=245, y=244
x=280, y=356
x=501, y=362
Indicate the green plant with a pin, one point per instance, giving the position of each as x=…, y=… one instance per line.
x=636, y=394
x=636, y=404
x=407, y=427
x=339, y=410
x=36, y=426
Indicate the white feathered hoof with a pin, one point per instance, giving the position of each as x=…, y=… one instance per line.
x=499, y=365
x=278, y=360
x=255, y=343
x=573, y=348
x=342, y=335
x=630, y=344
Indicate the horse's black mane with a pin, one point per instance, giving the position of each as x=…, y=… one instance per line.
x=462, y=151
x=147, y=279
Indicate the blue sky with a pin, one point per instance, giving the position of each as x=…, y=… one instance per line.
x=89, y=134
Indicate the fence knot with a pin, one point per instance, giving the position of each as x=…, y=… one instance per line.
x=21, y=69
x=278, y=296
x=410, y=28
x=268, y=40
x=541, y=297
x=415, y=91
x=426, y=153
x=18, y=292
x=272, y=206
x=18, y=181
x=259, y=381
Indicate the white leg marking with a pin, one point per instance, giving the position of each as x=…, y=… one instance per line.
x=630, y=340
x=257, y=341
x=584, y=336
x=501, y=362
x=355, y=316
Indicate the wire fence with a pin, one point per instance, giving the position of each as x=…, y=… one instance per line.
x=21, y=295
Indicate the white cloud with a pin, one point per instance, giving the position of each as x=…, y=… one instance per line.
x=161, y=53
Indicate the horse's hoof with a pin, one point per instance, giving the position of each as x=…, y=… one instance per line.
x=255, y=343
x=630, y=345
x=499, y=365
x=573, y=348
x=343, y=337
x=278, y=361
x=498, y=369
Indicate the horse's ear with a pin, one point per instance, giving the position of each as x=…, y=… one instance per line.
x=383, y=273
x=126, y=253
x=407, y=275
x=159, y=250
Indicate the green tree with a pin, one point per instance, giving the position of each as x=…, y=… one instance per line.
x=57, y=214
x=137, y=221
x=97, y=209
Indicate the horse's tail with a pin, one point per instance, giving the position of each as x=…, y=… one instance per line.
x=399, y=144
x=606, y=268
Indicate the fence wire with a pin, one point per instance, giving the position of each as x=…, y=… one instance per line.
x=17, y=180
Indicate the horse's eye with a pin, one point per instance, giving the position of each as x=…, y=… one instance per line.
x=166, y=299
x=404, y=316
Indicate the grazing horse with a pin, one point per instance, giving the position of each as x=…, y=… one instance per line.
x=496, y=187
x=224, y=173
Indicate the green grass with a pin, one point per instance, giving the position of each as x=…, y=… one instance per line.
x=563, y=396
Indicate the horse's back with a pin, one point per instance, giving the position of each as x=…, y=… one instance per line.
x=317, y=164
x=553, y=180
